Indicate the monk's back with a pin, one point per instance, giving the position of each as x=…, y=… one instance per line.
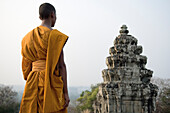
x=42, y=51
x=43, y=92
x=35, y=43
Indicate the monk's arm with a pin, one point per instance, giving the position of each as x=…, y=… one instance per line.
x=63, y=72
x=26, y=67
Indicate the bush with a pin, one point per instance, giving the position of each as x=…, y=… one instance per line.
x=87, y=98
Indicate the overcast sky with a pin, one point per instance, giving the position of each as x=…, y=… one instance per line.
x=92, y=26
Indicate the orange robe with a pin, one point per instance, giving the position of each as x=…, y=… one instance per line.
x=43, y=91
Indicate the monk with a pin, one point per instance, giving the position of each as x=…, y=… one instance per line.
x=43, y=67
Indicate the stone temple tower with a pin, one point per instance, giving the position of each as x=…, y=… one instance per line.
x=126, y=87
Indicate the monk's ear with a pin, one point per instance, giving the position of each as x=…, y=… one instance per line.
x=52, y=14
x=40, y=17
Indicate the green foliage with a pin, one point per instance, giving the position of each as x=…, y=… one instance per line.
x=87, y=98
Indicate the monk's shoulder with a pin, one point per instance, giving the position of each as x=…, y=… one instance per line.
x=57, y=33
x=27, y=37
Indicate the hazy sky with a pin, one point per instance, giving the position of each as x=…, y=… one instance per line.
x=92, y=26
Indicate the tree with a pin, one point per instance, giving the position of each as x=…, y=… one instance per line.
x=163, y=98
x=163, y=101
x=87, y=98
x=8, y=100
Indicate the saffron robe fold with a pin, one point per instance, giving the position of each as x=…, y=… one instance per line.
x=43, y=91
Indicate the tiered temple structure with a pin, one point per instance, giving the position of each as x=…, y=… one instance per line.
x=126, y=87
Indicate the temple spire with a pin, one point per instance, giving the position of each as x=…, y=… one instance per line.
x=124, y=30
x=126, y=86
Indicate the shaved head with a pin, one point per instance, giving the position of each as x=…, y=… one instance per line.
x=45, y=10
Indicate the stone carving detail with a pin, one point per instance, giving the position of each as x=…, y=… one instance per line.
x=126, y=87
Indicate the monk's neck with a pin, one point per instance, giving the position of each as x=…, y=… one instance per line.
x=46, y=23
